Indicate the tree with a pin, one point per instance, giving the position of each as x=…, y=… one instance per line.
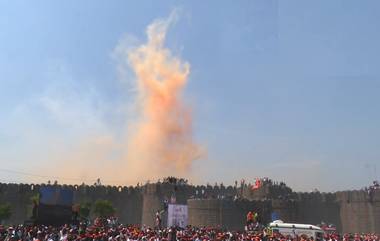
x=104, y=208
x=84, y=209
x=35, y=199
x=32, y=209
x=5, y=212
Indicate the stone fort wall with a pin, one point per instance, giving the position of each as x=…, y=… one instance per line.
x=126, y=200
x=134, y=205
x=225, y=213
x=350, y=211
x=359, y=212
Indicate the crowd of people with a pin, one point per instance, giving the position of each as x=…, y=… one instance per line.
x=111, y=231
x=371, y=189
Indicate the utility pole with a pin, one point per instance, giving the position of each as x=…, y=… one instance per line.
x=375, y=170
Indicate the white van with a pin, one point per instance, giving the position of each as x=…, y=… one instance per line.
x=293, y=229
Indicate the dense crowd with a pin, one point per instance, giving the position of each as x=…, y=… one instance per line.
x=108, y=231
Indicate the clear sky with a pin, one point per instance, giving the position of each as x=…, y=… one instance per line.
x=283, y=89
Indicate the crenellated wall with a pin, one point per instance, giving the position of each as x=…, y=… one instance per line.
x=285, y=209
x=350, y=211
x=359, y=211
x=155, y=194
x=225, y=213
x=126, y=200
x=19, y=197
x=314, y=208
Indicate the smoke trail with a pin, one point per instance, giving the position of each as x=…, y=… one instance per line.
x=161, y=140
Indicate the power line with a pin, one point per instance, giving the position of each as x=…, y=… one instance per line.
x=55, y=177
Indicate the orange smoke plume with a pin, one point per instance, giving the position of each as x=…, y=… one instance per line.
x=161, y=141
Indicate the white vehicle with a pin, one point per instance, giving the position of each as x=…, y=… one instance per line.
x=296, y=229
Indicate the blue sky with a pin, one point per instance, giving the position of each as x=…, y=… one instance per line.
x=280, y=89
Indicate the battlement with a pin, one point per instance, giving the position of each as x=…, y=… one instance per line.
x=358, y=196
x=315, y=197
x=350, y=211
x=33, y=188
x=224, y=213
x=271, y=191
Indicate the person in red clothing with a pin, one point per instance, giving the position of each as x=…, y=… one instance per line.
x=250, y=219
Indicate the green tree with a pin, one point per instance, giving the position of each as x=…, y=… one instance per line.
x=85, y=209
x=104, y=208
x=5, y=212
x=35, y=199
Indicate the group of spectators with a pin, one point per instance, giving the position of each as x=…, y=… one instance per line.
x=106, y=231
x=371, y=189
x=174, y=180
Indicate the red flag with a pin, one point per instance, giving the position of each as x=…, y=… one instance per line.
x=257, y=184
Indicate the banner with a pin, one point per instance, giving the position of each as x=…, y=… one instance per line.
x=56, y=196
x=177, y=215
x=275, y=216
